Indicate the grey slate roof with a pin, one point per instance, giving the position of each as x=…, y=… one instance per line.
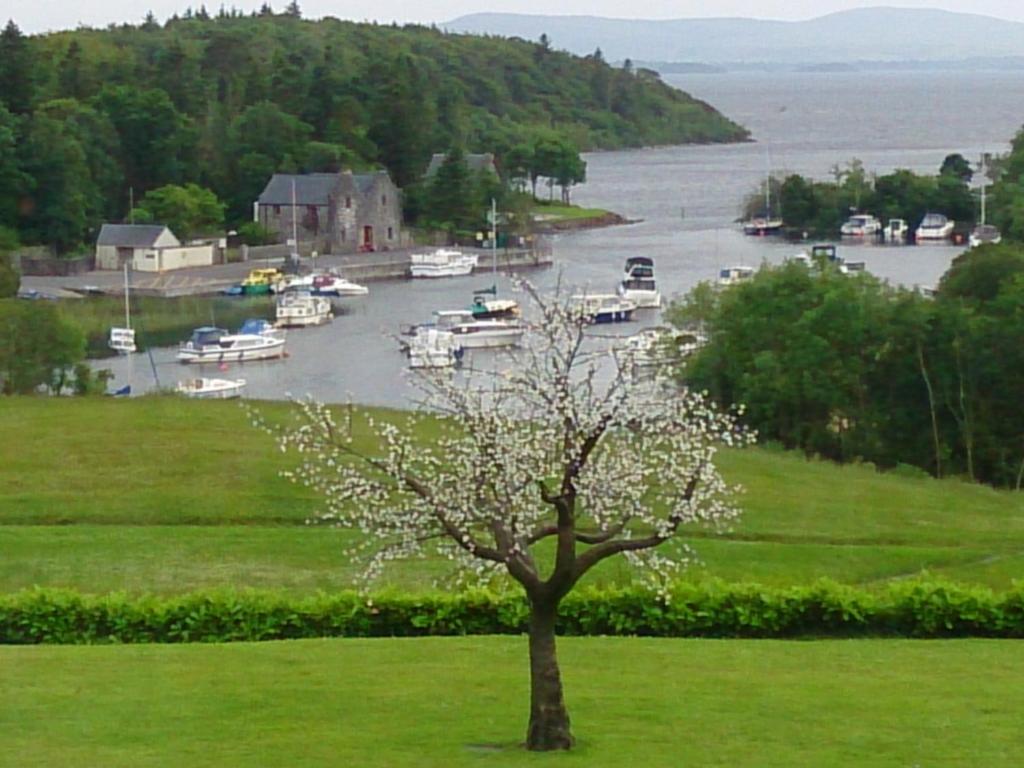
x=475, y=162
x=130, y=235
x=310, y=188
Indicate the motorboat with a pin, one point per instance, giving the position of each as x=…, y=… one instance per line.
x=255, y=340
x=826, y=253
x=211, y=389
x=861, y=225
x=735, y=275
x=471, y=333
x=260, y=281
x=434, y=348
x=762, y=225
x=638, y=283
x=985, y=234
x=443, y=262
x=934, y=226
x=494, y=309
x=330, y=284
x=896, y=231
x=661, y=345
x=603, y=307
x=296, y=309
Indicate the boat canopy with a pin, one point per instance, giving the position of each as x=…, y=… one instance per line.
x=633, y=261
x=255, y=326
x=208, y=334
x=933, y=221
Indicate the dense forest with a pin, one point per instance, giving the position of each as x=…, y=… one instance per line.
x=852, y=368
x=225, y=101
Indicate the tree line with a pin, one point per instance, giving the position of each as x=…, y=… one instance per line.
x=225, y=101
x=852, y=368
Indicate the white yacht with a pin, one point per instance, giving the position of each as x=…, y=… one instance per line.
x=861, y=225
x=433, y=348
x=603, y=307
x=985, y=234
x=330, y=284
x=256, y=340
x=661, y=345
x=122, y=340
x=297, y=309
x=934, y=226
x=444, y=262
x=735, y=275
x=211, y=389
x=896, y=231
x=471, y=333
x=638, y=284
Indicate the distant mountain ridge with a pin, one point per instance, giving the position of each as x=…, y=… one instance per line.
x=866, y=34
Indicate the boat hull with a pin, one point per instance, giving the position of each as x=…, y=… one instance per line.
x=212, y=389
x=273, y=349
x=612, y=316
x=428, y=271
x=643, y=299
x=489, y=339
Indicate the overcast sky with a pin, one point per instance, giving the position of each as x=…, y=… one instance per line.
x=41, y=15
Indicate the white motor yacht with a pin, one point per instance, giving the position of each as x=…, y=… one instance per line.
x=934, y=226
x=256, y=340
x=896, y=231
x=861, y=225
x=985, y=234
x=444, y=262
x=433, y=348
x=297, y=309
x=603, y=307
x=638, y=283
x=471, y=333
x=735, y=275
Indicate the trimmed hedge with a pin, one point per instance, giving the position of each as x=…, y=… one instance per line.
x=711, y=609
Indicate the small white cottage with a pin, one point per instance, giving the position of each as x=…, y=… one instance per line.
x=148, y=248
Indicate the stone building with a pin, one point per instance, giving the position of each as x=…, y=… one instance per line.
x=339, y=212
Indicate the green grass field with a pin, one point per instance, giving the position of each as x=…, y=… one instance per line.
x=168, y=495
x=450, y=702
x=555, y=212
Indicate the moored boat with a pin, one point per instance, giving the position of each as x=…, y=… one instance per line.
x=861, y=225
x=934, y=226
x=638, y=284
x=433, y=348
x=330, y=284
x=603, y=307
x=443, y=262
x=471, y=333
x=211, y=389
x=259, y=281
x=216, y=345
x=296, y=309
x=896, y=231
x=494, y=309
x=985, y=234
x=735, y=275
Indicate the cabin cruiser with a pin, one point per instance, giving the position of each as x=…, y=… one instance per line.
x=861, y=225
x=430, y=347
x=661, y=345
x=330, y=284
x=603, y=307
x=826, y=253
x=762, y=225
x=255, y=340
x=444, y=262
x=934, y=226
x=211, y=389
x=472, y=333
x=296, y=308
x=896, y=231
x=261, y=281
x=985, y=234
x=495, y=308
x=735, y=275
x=638, y=283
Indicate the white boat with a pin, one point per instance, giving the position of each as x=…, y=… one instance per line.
x=603, y=307
x=896, y=231
x=215, y=345
x=211, y=389
x=735, y=275
x=762, y=225
x=638, y=284
x=443, y=262
x=433, y=348
x=661, y=345
x=494, y=309
x=471, y=333
x=985, y=234
x=329, y=284
x=934, y=226
x=122, y=340
x=299, y=309
x=861, y=225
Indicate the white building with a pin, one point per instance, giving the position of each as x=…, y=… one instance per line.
x=148, y=248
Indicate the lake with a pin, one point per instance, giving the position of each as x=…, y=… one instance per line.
x=687, y=198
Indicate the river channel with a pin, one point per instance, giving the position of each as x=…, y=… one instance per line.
x=687, y=200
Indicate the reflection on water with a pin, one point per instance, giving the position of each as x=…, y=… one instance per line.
x=688, y=199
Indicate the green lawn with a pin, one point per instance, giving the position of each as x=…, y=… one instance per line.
x=554, y=212
x=462, y=702
x=169, y=495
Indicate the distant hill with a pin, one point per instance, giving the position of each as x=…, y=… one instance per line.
x=869, y=34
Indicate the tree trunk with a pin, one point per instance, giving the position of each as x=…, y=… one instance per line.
x=549, y=720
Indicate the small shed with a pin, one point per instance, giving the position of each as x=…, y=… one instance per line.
x=148, y=248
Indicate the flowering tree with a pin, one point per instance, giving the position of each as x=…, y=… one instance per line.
x=568, y=446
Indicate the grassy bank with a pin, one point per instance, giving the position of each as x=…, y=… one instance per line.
x=159, y=322
x=169, y=495
x=463, y=702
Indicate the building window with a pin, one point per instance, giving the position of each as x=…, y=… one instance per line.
x=383, y=199
x=391, y=233
x=348, y=202
x=277, y=210
x=343, y=231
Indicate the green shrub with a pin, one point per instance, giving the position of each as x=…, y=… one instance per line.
x=712, y=609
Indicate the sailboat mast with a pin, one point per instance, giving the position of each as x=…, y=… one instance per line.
x=127, y=306
x=983, y=201
x=295, y=225
x=494, y=240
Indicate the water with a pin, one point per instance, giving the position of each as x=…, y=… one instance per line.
x=688, y=199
